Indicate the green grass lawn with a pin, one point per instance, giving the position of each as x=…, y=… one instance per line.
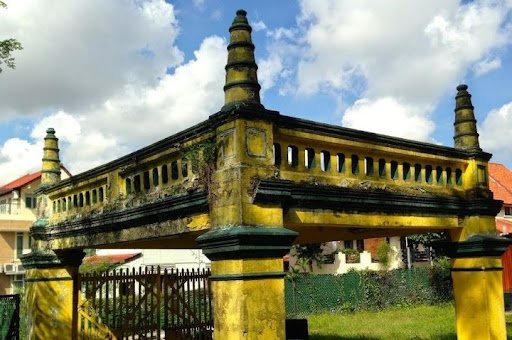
x=421, y=322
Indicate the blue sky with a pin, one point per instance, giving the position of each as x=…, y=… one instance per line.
x=113, y=76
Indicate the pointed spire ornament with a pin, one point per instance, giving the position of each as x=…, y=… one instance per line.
x=242, y=87
x=466, y=135
x=50, y=172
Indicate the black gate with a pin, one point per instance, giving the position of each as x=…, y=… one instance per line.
x=146, y=304
x=9, y=317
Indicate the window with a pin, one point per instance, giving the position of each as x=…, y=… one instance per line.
x=174, y=170
x=325, y=160
x=417, y=173
x=508, y=211
x=30, y=202
x=87, y=198
x=368, y=166
x=18, y=282
x=165, y=176
x=309, y=158
x=128, y=185
x=406, y=171
x=81, y=200
x=155, y=177
x=428, y=174
x=394, y=169
x=449, y=176
x=439, y=175
x=348, y=244
x=458, y=177
x=360, y=245
x=277, y=154
x=293, y=156
x=19, y=245
x=341, y=162
x=145, y=179
x=355, y=164
x=102, y=196
x=382, y=167
x=136, y=183
x=3, y=206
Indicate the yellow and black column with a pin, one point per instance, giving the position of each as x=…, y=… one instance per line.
x=51, y=291
x=247, y=280
x=478, y=286
x=475, y=249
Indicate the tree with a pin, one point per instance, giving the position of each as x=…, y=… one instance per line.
x=8, y=46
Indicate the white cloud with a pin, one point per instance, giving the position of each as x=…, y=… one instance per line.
x=487, y=65
x=388, y=116
x=103, y=84
x=134, y=117
x=396, y=51
x=80, y=52
x=19, y=157
x=258, y=26
x=495, y=135
x=269, y=70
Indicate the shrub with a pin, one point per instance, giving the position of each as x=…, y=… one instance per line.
x=441, y=280
x=383, y=254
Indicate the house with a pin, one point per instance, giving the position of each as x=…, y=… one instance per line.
x=149, y=258
x=339, y=257
x=18, y=206
x=500, y=183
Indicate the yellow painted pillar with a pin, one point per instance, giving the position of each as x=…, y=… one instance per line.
x=475, y=249
x=51, y=294
x=248, y=281
x=478, y=286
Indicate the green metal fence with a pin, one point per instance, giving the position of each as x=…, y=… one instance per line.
x=9, y=317
x=311, y=293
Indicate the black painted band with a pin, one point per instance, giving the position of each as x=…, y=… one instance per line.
x=247, y=83
x=477, y=269
x=46, y=279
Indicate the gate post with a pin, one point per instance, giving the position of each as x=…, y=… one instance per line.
x=478, y=286
x=247, y=280
x=476, y=251
x=51, y=293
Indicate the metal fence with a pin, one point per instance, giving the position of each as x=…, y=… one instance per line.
x=9, y=317
x=363, y=290
x=147, y=304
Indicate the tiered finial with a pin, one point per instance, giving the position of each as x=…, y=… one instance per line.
x=242, y=85
x=466, y=135
x=50, y=173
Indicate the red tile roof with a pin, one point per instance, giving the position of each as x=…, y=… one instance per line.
x=500, y=182
x=24, y=180
x=113, y=259
x=18, y=183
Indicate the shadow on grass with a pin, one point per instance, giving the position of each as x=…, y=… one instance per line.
x=448, y=336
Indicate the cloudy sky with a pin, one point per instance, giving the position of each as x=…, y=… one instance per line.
x=113, y=76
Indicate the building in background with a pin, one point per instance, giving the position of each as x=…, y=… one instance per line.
x=500, y=183
x=18, y=206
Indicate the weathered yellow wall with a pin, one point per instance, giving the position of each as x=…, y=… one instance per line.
x=479, y=301
x=248, y=309
x=50, y=302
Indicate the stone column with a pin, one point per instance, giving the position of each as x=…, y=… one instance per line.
x=51, y=293
x=478, y=287
x=247, y=281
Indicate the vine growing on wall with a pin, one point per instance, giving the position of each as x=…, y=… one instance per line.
x=203, y=159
